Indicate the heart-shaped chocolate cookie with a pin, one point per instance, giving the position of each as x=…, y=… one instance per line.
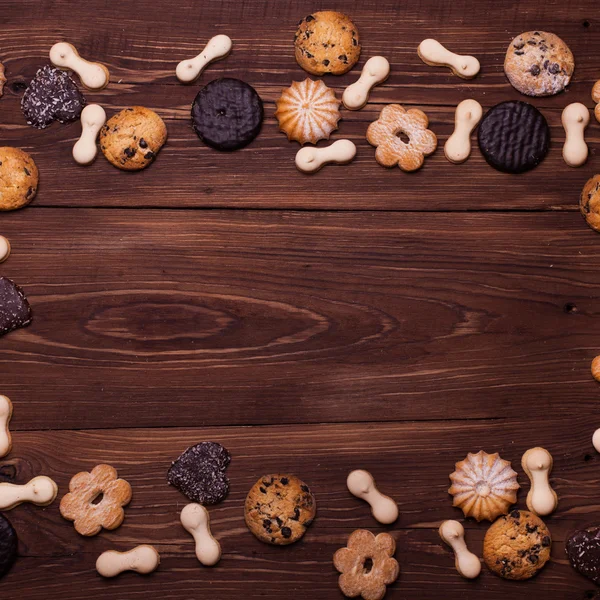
x=8, y=545
x=51, y=96
x=583, y=550
x=199, y=473
x=15, y=311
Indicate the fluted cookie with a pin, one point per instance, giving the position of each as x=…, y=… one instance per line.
x=589, y=202
x=539, y=63
x=131, y=139
x=19, y=178
x=327, y=42
x=279, y=509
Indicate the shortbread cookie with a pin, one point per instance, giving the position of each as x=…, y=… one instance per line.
x=196, y=521
x=367, y=565
x=131, y=139
x=51, y=96
x=227, y=114
x=308, y=111
x=458, y=146
x=596, y=99
x=514, y=137
x=93, y=118
x=279, y=509
x=190, y=69
x=19, y=178
x=537, y=463
x=384, y=133
x=583, y=550
x=310, y=159
x=575, y=118
x=517, y=545
x=96, y=500
x=92, y=75
x=2, y=79
x=539, y=63
x=4, y=249
x=15, y=311
x=9, y=543
x=40, y=491
x=375, y=71
x=589, y=202
x=327, y=42
x=6, y=410
x=432, y=53
x=484, y=486
x=466, y=563
x=142, y=559
x=199, y=473
x=361, y=484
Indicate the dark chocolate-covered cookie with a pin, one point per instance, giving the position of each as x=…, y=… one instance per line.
x=8, y=545
x=227, y=114
x=51, y=96
x=15, y=311
x=199, y=473
x=514, y=137
x=279, y=509
x=583, y=550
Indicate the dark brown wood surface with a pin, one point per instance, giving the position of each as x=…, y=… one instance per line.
x=356, y=318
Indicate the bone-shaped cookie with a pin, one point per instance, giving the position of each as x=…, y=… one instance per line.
x=434, y=54
x=537, y=464
x=4, y=252
x=458, y=146
x=6, y=409
x=142, y=559
x=596, y=440
x=190, y=69
x=40, y=491
x=467, y=563
x=362, y=485
x=93, y=76
x=375, y=71
x=310, y=159
x=92, y=119
x=575, y=119
x=195, y=520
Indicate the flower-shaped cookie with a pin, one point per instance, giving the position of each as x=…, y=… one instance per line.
x=367, y=565
x=95, y=500
x=384, y=133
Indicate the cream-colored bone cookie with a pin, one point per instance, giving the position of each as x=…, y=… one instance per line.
x=467, y=563
x=596, y=99
x=195, y=520
x=575, y=119
x=40, y=491
x=375, y=71
x=458, y=146
x=142, y=559
x=362, y=485
x=596, y=440
x=92, y=119
x=217, y=47
x=310, y=160
x=6, y=409
x=4, y=249
x=537, y=464
x=434, y=54
x=93, y=76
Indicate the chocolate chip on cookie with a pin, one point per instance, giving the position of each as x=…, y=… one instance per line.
x=15, y=311
x=327, y=42
x=19, y=178
x=279, y=509
x=8, y=545
x=517, y=545
x=131, y=139
x=539, y=63
x=199, y=473
x=589, y=202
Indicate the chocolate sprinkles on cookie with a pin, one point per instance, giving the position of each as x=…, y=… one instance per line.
x=8, y=545
x=15, y=311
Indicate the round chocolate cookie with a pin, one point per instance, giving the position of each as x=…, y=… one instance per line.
x=583, y=550
x=199, y=473
x=539, y=63
x=19, y=178
x=227, y=114
x=279, y=508
x=8, y=545
x=514, y=137
x=517, y=545
x=131, y=139
x=327, y=42
x=589, y=202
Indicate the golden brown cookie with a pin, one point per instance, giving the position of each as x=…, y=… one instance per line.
x=279, y=509
x=589, y=202
x=539, y=63
x=367, y=565
x=2, y=79
x=18, y=178
x=596, y=99
x=517, y=545
x=327, y=42
x=131, y=139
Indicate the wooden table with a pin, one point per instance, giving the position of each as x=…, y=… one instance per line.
x=356, y=318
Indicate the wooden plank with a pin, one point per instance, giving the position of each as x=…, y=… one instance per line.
x=410, y=461
x=142, y=54
x=235, y=317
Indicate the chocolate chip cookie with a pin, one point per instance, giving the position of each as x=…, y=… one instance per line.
x=327, y=42
x=279, y=509
x=517, y=545
x=589, y=202
x=19, y=178
x=131, y=139
x=539, y=63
